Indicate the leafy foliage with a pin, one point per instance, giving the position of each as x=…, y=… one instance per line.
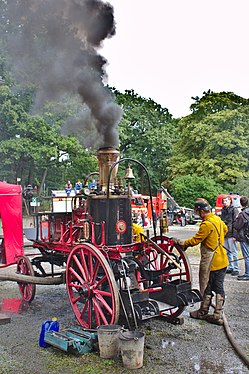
x=146, y=133
x=214, y=139
x=242, y=185
x=29, y=144
x=213, y=102
x=186, y=189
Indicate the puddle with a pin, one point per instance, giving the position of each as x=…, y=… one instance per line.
x=13, y=306
x=205, y=366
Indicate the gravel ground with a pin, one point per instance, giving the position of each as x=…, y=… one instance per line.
x=194, y=347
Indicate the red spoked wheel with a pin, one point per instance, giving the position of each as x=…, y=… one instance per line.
x=153, y=259
x=25, y=267
x=92, y=288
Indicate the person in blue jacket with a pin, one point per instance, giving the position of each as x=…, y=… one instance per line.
x=78, y=186
x=68, y=187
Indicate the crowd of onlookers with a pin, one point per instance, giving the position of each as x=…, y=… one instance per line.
x=236, y=223
x=69, y=187
x=78, y=186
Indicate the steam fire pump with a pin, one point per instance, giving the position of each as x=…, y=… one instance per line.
x=109, y=275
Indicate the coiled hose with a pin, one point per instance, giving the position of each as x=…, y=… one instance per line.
x=240, y=352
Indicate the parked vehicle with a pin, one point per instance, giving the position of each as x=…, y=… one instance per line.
x=191, y=217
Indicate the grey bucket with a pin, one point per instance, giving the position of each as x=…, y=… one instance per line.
x=108, y=338
x=132, y=348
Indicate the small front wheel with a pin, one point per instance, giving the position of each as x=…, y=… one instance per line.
x=25, y=267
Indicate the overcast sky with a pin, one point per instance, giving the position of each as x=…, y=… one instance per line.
x=171, y=50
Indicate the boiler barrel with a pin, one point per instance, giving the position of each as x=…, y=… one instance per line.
x=116, y=213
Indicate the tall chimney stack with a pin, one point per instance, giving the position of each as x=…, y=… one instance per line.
x=106, y=158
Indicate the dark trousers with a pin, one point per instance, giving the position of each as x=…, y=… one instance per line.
x=216, y=282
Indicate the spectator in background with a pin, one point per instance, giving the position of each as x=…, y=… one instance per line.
x=239, y=234
x=170, y=215
x=145, y=219
x=68, y=187
x=78, y=186
x=93, y=185
x=228, y=216
x=183, y=216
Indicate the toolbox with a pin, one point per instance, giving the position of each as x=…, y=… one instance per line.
x=72, y=340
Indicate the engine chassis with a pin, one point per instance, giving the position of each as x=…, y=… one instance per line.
x=133, y=282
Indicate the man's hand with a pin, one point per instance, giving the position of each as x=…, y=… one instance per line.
x=180, y=242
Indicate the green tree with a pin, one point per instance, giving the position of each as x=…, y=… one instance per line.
x=214, y=139
x=186, y=189
x=146, y=133
x=213, y=102
x=242, y=187
x=30, y=146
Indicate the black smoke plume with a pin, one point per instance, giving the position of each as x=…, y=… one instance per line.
x=54, y=45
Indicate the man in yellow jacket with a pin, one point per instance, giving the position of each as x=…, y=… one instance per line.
x=213, y=263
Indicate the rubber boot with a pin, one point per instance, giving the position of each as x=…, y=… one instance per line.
x=202, y=313
x=217, y=317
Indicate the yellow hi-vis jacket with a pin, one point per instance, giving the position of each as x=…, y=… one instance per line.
x=211, y=233
x=136, y=231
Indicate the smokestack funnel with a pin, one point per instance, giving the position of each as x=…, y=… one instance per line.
x=106, y=158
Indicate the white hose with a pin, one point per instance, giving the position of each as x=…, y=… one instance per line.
x=21, y=278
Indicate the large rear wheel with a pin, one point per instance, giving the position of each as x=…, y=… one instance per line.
x=91, y=286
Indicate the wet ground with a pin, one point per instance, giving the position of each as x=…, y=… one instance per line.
x=194, y=347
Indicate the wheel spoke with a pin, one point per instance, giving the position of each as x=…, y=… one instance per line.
x=84, y=264
x=101, y=281
x=104, y=303
x=100, y=312
x=164, y=261
x=82, y=269
x=90, y=313
x=90, y=266
x=104, y=293
x=74, y=300
x=75, y=285
x=96, y=314
x=96, y=269
x=72, y=271
x=85, y=308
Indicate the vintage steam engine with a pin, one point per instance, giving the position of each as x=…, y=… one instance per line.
x=109, y=274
